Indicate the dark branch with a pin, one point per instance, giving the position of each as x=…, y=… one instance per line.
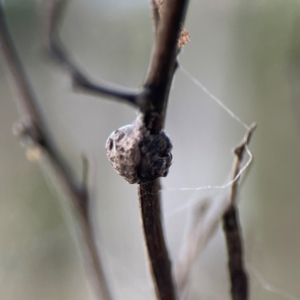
x=159, y=261
x=34, y=135
x=163, y=63
x=238, y=276
x=80, y=81
x=165, y=48
x=157, y=87
x=232, y=231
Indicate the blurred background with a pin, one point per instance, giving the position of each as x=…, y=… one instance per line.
x=248, y=54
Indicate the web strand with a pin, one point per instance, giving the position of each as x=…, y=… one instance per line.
x=268, y=287
x=229, y=183
x=235, y=117
x=213, y=97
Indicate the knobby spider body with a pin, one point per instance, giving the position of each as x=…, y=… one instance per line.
x=137, y=155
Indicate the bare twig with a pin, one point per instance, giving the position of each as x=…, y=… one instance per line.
x=80, y=81
x=158, y=254
x=163, y=63
x=157, y=87
x=232, y=231
x=34, y=135
x=206, y=224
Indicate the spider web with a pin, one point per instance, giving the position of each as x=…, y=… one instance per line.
x=233, y=116
x=202, y=201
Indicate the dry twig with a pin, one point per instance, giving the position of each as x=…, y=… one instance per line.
x=232, y=231
x=157, y=88
x=204, y=227
x=35, y=137
x=54, y=15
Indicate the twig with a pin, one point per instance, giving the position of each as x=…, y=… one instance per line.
x=80, y=81
x=157, y=87
x=205, y=227
x=232, y=231
x=158, y=254
x=163, y=63
x=35, y=136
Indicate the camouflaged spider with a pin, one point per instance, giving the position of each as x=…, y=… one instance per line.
x=137, y=155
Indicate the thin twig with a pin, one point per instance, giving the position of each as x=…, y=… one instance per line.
x=35, y=136
x=205, y=224
x=159, y=260
x=54, y=16
x=157, y=85
x=232, y=231
x=163, y=63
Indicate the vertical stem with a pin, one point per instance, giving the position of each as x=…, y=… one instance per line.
x=233, y=235
x=163, y=63
x=160, y=264
x=157, y=86
x=232, y=229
